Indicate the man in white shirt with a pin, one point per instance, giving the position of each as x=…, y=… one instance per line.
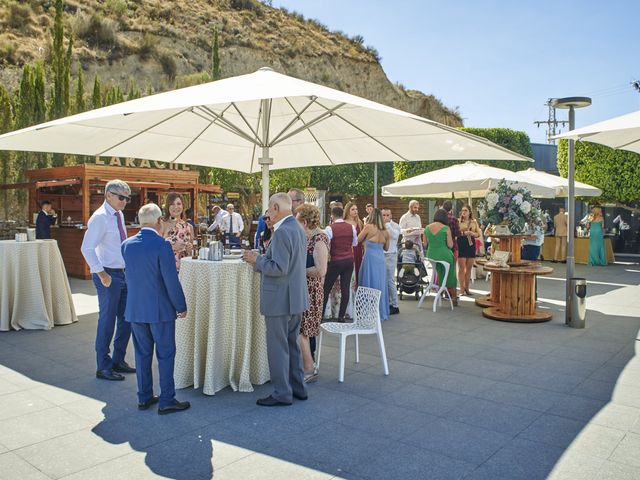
x=411, y=225
x=391, y=259
x=218, y=215
x=101, y=250
x=232, y=225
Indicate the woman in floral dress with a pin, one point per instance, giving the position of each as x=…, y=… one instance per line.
x=317, y=257
x=176, y=229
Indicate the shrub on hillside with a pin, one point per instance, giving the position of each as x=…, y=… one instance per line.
x=148, y=47
x=19, y=16
x=97, y=31
x=168, y=64
x=117, y=8
x=250, y=5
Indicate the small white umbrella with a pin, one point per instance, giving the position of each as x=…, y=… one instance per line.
x=466, y=180
x=560, y=184
x=620, y=132
x=240, y=123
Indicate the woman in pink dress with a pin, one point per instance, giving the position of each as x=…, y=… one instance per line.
x=175, y=227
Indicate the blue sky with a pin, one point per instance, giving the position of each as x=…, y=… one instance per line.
x=499, y=61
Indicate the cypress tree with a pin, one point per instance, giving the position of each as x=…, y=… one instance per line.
x=215, y=56
x=39, y=108
x=66, y=79
x=79, y=105
x=7, y=167
x=58, y=63
x=96, y=97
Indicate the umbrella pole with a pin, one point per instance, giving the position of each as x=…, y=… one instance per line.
x=375, y=185
x=265, y=160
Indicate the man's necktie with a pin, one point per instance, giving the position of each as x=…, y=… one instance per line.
x=231, y=224
x=123, y=235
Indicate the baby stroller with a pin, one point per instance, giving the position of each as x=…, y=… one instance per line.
x=410, y=277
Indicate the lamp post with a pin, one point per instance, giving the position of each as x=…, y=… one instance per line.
x=571, y=103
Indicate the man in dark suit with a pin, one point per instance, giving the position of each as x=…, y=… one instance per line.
x=154, y=300
x=46, y=218
x=283, y=298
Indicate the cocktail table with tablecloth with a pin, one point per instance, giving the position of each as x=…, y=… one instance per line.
x=222, y=341
x=34, y=289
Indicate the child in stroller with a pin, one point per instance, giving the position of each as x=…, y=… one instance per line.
x=411, y=271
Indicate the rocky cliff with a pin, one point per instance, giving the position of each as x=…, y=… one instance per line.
x=164, y=44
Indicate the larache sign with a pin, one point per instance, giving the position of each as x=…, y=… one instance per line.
x=141, y=163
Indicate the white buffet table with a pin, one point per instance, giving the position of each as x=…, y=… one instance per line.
x=222, y=341
x=34, y=289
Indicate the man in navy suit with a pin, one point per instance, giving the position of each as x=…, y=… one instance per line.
x=46, y=218
x=154, y=300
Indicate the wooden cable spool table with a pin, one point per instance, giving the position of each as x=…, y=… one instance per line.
x=513, y=289
x=516, y=296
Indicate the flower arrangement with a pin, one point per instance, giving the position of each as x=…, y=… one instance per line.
x=510, y=205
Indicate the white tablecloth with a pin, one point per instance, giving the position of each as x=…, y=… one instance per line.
x=34, y=289
x=222, y=341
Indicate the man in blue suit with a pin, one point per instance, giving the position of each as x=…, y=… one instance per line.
x=46, y=218
x=283, y=298
x=154, y=300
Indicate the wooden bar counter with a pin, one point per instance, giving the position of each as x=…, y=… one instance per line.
x=580, y=249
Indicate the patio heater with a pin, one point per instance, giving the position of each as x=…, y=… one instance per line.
x=571, y=103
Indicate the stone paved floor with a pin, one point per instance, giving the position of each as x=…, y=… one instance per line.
x=467, y=398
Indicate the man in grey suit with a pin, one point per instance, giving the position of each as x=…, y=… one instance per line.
x=283, y=298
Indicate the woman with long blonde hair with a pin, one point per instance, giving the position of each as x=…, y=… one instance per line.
x=373, y=271
x=597, y=256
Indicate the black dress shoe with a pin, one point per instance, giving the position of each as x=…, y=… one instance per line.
x=123, y=367
x=271, y=402
x=393, y=310
x=109, y=375
x=145, y=405
x=174, y=407
x=300, y=397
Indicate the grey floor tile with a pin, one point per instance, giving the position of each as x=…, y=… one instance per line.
x=578, y=408
x=484, y=368
x=369, y=385
x=576, y=466
x=8, y=387
x=457, y=382
x=431, y=358
x=597, y=441
x=404, y=371
x=553, y=430
x=523, y=396
x=617, y=471
x=21, y=403
x=628, y=451
x=72, y=453
x=494, y=416
x=616, y=416
x=458, y=440
x=12, y=467
x=425, y=399
x=259, y=466
x=595, y=389
x=39, y=426
x=386, y=421
x=508, y=356
x=519, y=460
x=545, y=380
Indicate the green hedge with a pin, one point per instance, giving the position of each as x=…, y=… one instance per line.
x=615, y=172
x=512, y=139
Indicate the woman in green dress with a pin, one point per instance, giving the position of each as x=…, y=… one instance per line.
x=597, y=255
x=440, y=243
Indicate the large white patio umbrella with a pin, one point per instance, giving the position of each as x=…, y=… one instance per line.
x=620, y=132
x=255, y=122
x=560, y=184
x=465, y=180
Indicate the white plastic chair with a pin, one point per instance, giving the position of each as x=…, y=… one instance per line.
x=366, y=322
x=433, y=285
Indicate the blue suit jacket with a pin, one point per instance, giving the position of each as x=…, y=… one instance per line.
x=283, y=283
x=43, y=225
x=154, y=293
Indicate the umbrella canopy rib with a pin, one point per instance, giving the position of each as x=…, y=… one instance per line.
x=244, y=119
x=143, y=131
x=211, y=122
x=313, y=136
x=315, y=121
x=295, y=119
x=361, y=130
x=228, y=125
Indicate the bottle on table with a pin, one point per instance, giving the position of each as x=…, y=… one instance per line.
x=194, y=253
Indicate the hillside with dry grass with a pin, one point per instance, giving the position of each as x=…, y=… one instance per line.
x=167, y=44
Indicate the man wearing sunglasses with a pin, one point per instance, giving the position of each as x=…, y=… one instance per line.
x=101, y=250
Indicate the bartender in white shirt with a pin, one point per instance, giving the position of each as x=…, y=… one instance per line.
x=101, y=250
x=232, y=225
x=218, y=215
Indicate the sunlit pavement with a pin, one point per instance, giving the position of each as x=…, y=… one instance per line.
x=466, y=397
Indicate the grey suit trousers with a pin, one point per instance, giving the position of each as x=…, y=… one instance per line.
x=285, y=361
